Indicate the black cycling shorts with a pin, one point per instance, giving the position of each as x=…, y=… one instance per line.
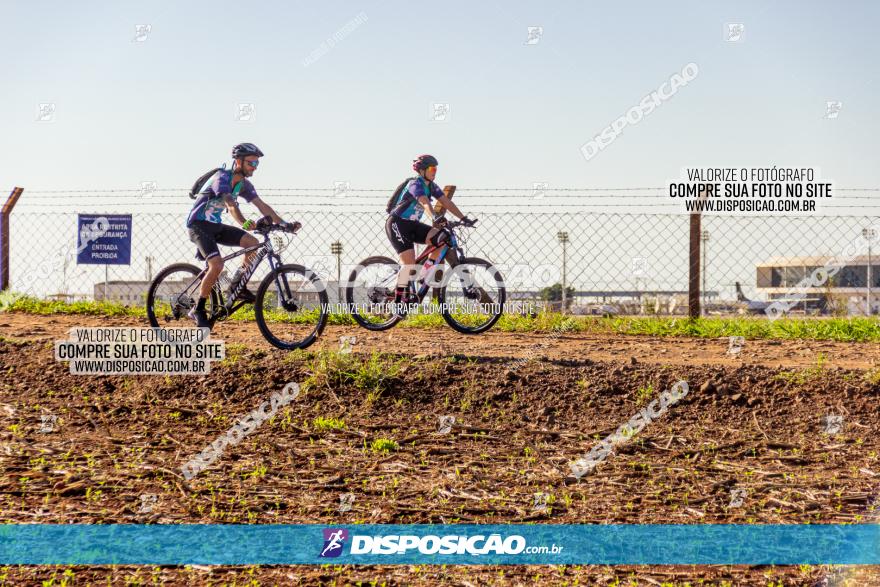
x=404, y=233
x=207, y=235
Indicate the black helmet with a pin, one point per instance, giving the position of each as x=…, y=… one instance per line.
x=245, y=149
x=423, y=162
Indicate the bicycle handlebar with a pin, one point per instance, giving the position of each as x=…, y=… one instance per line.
x=458, y=223
x=264, y=226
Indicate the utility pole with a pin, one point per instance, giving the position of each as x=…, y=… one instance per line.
x=336, y=249
x=563, y=238
x=869, y=235
x=704, y=237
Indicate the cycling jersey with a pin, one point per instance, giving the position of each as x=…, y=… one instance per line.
x=210, y=205
x=407, y=206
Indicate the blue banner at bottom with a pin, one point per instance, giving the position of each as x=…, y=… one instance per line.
x=453, y=544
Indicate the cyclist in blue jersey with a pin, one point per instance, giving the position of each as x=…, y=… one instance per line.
x=403, y=227
x=206, y=229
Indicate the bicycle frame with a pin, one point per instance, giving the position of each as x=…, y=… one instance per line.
x=444, y=250
x=424, y=255
x=229, y=307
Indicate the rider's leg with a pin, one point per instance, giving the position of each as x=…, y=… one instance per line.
x=435, y=237
x=215, y=267
x=245, y=295
x=434, y=254
x=248, y=240
x=399, y=233
x=407, y=270
x=198, y=313
x=232, y=236
x=438, y=237
x=204, y=236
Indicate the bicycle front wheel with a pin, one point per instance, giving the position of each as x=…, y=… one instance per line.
x=472, y=296
x=291, y=307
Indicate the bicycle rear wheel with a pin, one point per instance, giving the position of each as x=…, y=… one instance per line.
x=472, y=296
x=291, y=307
x=173, y=293
x=370, y=293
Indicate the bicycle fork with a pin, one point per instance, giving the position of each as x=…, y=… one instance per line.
x=469, y=285
x=282, y=285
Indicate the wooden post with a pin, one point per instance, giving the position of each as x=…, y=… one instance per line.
x=448, y=191
x=5, y=212
x=694, y=256
x=694, y=272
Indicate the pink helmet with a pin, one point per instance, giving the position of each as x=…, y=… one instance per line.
x=423, y=161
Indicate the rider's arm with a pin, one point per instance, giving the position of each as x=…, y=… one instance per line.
x=426, y=205
x=266, y=210
x=232, y=207
x=223, y=187
x=447, y=203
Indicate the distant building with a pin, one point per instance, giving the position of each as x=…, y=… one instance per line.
x=128, y=293
x=67, y=298
x=777, y=276
x=134, y=293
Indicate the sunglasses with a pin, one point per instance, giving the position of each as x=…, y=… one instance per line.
x=431, y=168
x=253, y=163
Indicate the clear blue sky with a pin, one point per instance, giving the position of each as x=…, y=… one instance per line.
x=163, y=109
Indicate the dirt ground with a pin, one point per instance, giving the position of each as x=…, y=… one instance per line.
x=599, y=347
x=754, y=426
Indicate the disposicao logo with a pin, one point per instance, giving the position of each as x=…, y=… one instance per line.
x=472, y=545
x=334, y=540
x=404, y=544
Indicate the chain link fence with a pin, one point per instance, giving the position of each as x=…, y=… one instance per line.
x=632, y=261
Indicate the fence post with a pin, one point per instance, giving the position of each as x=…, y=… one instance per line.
x=694, y=272
x=4, y=236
